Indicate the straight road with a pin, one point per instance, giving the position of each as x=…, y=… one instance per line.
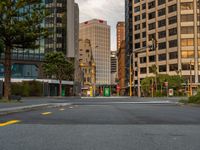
x=103, y=126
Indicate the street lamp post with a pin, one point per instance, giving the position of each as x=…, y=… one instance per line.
x=130, y=73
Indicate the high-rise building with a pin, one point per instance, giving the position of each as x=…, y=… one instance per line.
x=114, y=64
x=98, y=32
x=87, y=66
x=121, y=68
x=165, y=34
x=62, y=23
x=128, y=36
x=120, y=33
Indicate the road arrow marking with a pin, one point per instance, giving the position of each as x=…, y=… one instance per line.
x=9, y=123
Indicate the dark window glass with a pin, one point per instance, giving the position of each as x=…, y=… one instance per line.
x=172, y=20
x=152, y=26
x=162, y=46
x=162, y=23
x=172, y=8
x=151, y=4
x=161, y=12
x=152, y=58
x=172, y=31
x=162, y=57
x=173, y=67
x=152, y=15
x=143, y=60
x=173, y=55
x=143, y=70
x=162, y=68
x=160, y=2
x=173, y=43
x=161, y=34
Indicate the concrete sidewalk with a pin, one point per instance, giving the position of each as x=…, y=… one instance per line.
x=27, y=104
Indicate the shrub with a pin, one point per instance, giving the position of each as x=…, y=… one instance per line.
x=27, y=88
x=195, y=99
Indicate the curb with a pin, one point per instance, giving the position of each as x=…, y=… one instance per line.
x=8, y=111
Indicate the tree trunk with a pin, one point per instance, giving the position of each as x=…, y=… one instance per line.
x=60, y=88
x=7, y=73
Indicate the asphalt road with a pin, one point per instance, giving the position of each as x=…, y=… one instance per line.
x=103, y=126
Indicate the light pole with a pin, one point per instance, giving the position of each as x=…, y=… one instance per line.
x=130, y=74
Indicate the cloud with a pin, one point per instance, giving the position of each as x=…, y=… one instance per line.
x=109, y=10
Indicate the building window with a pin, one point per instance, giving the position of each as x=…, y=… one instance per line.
x=151, y=4
x=187, y=18
x=187, y=6
x=144, y=25
x=161, y=34
x=152, y=58
x=152, y=36
x=173, y=67
x=137, y=27
x=162, y=68
x=162, y=23
x=152, y=15
x=162, y=57
x=187, y=42
x=187, y=66
x=172, y=20
x=143, y=70
x=173, y=55
x=144, y=6
x=161, y=12
x=143, y=60
x=187, y=53
x=136, y=1
x=172, y=8
x=144, y=34
x=137, y=9
x=137, y=36
x=137, y=18
x=143, y=15
x=160, y=2
x=173, y=43
x=144, y=44
x=172, y=31
x=162, y=45
x=152, y=26
x=187, y=30
x=137, y=45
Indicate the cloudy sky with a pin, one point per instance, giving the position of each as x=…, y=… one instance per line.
x=109, y=10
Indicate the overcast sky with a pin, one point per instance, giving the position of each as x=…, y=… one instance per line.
x=109, y=10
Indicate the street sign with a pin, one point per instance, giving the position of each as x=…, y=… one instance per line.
x=171, y=92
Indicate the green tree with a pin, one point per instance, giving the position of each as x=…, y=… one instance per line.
x=20, y=28
x=56, y=66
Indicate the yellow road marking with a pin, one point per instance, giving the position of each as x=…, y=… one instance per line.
x=46, y=113
x=9, y=123
x=61, y=109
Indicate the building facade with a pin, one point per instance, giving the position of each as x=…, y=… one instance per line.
x=98, y=32
x=87, y=66
x=114, y=67
x=121, y=68
x=62, y=23
x=128, y=37
x=120, y=33
x=165, y=34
